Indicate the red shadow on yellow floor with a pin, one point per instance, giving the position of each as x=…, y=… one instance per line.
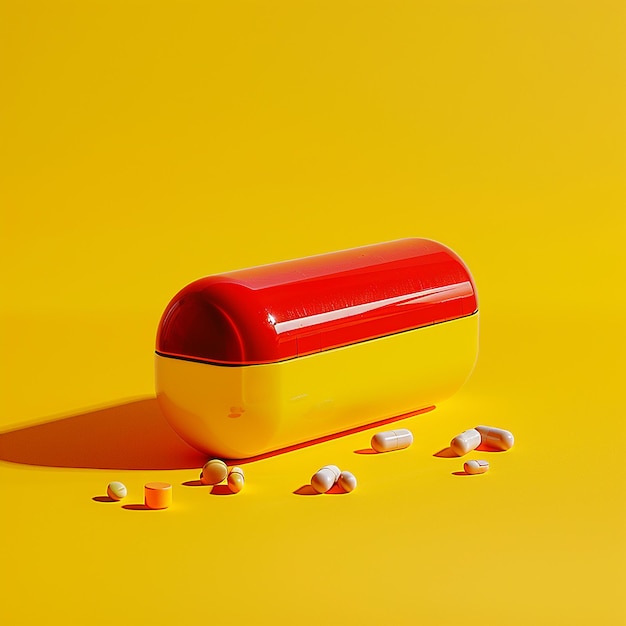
x=134, y=435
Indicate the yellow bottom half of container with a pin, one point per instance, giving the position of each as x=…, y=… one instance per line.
x=243, y=411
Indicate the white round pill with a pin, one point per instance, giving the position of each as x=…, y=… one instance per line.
x=236, y=479
x=116, y=490
x=476, y=467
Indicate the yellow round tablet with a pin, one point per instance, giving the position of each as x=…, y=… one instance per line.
x=213, y=472
x=116, y=490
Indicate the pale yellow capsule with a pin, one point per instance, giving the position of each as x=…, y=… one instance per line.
x=213, y=472
x=116, y=490
x=476, y=467
x=347, y=481
x=236, y=479
x=467, y=441
x=497, y=438
x=392, y=440
x=324, y=479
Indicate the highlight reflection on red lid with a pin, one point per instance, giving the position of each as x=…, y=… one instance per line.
x=294, y=308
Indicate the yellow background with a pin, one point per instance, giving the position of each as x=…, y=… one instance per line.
x=146, y=144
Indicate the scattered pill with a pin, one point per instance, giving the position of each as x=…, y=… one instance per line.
x=325, y=478
x=347, y=481
x=476, y=467
x=116, y=490
x=392, y=440
x=213, y=472
x=467, y=441
x=157, y=495
x=236, y=479
x=497, y=438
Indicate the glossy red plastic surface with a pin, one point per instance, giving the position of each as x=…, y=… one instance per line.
x=285, y=310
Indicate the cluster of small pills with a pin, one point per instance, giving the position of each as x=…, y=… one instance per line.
x=330, y=475
x=216, y=471
x=468, y=440
x=157, y=495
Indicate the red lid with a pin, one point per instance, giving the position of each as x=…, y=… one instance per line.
x=281, y=311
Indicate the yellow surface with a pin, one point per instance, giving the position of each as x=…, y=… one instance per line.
x=237, y=412
x=146, y=144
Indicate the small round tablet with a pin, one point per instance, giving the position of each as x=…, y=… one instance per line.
x=236, y=479
x=116, y=490
x=476, y=467
x=213, y=472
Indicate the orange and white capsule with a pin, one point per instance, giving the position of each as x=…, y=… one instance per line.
x=496, y=438
x=236, y=479
x=476, y=467
x=467, y=441
x=324, y=479
x=392, y=440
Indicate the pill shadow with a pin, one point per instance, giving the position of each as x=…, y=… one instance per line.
x=446, y=453
x=103, y=499
x=139, y=507
x=366, y=451
x=461, y=474
x=306, y=490
x=221, y=490
x=132, y=435
x=193, y=483
x=336, y=490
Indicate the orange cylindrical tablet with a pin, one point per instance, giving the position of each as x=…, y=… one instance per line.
x=392, y=440
x=236, y=479
x=213, y=472
x=158, y=495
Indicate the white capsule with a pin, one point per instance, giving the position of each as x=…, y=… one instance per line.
x=324, y=479
x=467, y=441
x=496, y=438
x=347, y=481
x=476, y=467
x=392, y=440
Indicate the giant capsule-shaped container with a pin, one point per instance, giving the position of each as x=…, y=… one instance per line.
x=259, y=359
